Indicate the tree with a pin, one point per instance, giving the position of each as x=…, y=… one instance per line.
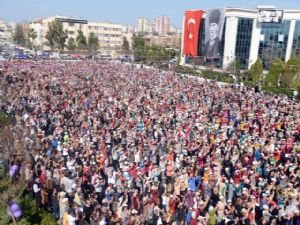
x=151, y=55
x=290, y=71
x=81, y=41
x=125, y=46
x=56, y=36
x=93, y=43
x=276, y=69
x=256, y=71
x=296, y=83
x=71, y=44
x=139, y=48
x=32, y=35
x=162, y=53
x=20, y=36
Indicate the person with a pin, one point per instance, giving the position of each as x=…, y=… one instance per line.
x=204, y=152
x=212, y=45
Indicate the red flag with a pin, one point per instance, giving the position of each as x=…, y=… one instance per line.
x=191, y=32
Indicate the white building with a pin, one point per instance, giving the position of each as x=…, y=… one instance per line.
x=42, y=26
x=37, y=25
x=173, y=30
x=144, y=25
x=245, y=37
x=6, y=31
x=110, y=35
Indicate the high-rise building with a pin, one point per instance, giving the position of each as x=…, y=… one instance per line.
x=162, y=25
x=144, y=25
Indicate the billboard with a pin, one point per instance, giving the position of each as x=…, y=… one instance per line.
x=270, y=16
x=214, y=23
x=192, y=23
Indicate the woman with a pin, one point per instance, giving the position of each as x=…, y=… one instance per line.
x=229, y=210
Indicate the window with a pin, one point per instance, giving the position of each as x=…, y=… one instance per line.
x=243, y=42
x=296, y=40
x=274, y=43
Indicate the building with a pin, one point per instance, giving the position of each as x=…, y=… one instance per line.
x=248, y=35
x=173, y=30
x=6, y=31
x=162, y=25
x=2, y=30
x=37, y=25
x=128, y=29
x=144, y=26
x=42, y=26
x=171, y=41
x=110, y=35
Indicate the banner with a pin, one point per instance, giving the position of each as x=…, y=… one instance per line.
x=214, y=23
x=270, y=16
x=191, y=32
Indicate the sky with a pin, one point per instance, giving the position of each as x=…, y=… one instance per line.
x=122, y=11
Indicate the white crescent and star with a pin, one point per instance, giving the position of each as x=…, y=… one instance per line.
x=191, y=21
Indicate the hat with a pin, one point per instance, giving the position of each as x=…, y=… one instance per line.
x=214, y=16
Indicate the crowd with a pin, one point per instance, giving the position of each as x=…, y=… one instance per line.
x=111, y=144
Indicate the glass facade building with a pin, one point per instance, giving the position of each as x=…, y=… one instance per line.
x=296, y=40
x=250, y=37
x=243, y=41
x=273, y=42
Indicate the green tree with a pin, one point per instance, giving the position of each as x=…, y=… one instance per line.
x=274, y=74
x=56, y=36
x=20, y=35
x=32, y=35
x=163, y=55
x=150, y=57
x=256, y=72
x=234, y=66
x=125, y=45
x=93, y=43
x=139, y=47
x=71, y=44
x=290, y=71
x=296, y=83
x=81, y=41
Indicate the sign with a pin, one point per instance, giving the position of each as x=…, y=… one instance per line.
x=214, y=24
x=191, y=32
x=65, y=20
x=270, y=16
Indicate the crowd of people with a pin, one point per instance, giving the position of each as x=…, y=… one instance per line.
x=112, y=144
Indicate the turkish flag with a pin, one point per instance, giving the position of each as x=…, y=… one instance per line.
x=191, y=32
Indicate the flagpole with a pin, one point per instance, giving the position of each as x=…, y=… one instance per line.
x=182, y=58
